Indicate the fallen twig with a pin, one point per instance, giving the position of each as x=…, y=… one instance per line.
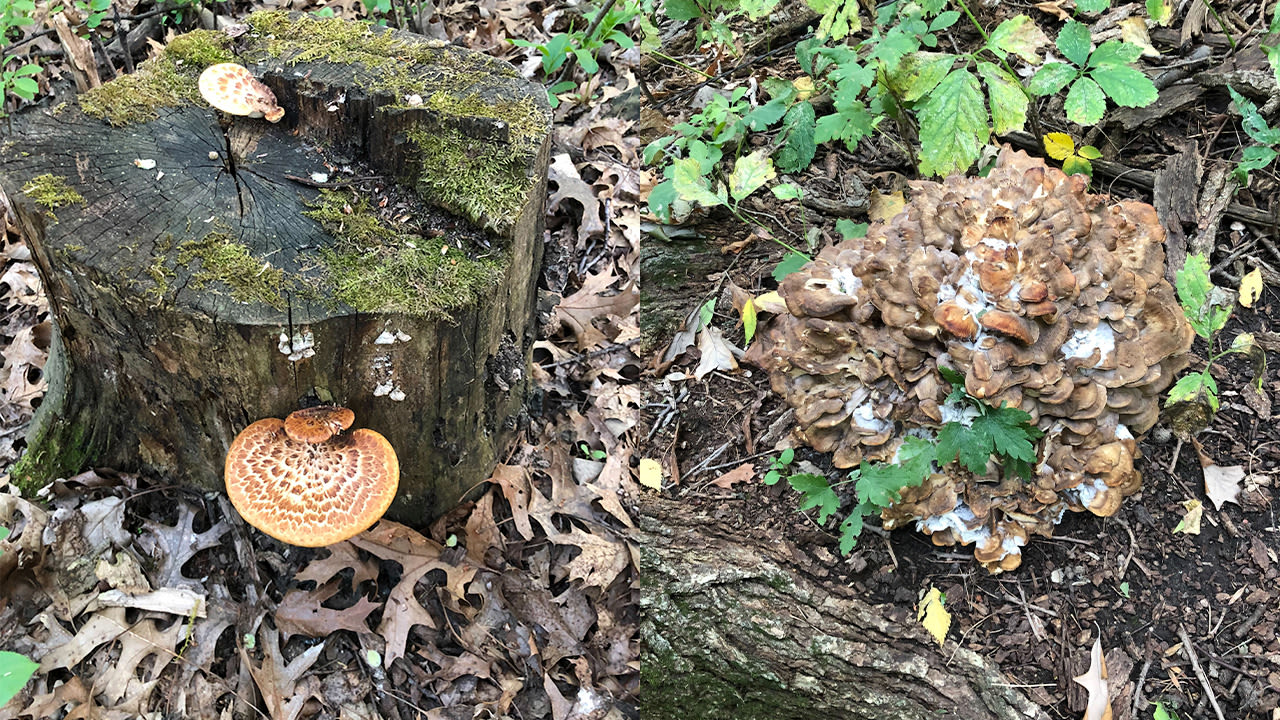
x=1190, y=650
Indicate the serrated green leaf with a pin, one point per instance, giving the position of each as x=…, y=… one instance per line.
x=798, y=150
x=1011, y=432
x=918, y=74
x=789, y=264
x=1255, y=126
x=850, y=530
x=1114, y=52
x=952, y=376
x=1195, y=290
x=1052, y=77
x=1074, y=42
x=1085, y=102
x=1076, y=165
x=765, y=115
x=953, y=124
x=839, y=21
x=817, y=493
x=681, y=9
x=1092, y=6
x=691, y=185
x=1008, y=102
x=786, y=191
x=850, y=124
x=1020, y=36
x=750, y=173
x=1126, y=86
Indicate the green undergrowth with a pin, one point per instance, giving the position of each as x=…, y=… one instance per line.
x=168, y=80
x=374, y=267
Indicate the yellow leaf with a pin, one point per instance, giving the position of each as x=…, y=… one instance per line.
x=804, y=87
x=1251, y=287
x=771, y=302
x=1060, y=146
x=650, y=473
x=885, y=207
x=749, y=320
x=1190, y=523
x=933, y=616
x=1095, y=681
x=1134, y=31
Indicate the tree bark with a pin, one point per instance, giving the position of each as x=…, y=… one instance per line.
x=734, y=627
x=377, y=248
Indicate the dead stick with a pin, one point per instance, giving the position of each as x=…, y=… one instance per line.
x=1190, y=650
x=1138, y=702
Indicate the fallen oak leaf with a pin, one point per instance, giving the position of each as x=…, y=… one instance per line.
x=1222, y=484
x=743, y=473
x=1095, y=681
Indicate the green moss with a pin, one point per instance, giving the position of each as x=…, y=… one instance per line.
x=160, y=272
x=59, y=455
x=224, y=260
x=375, y=268
x=165, y=81
x=482, y=182
x=52, y=192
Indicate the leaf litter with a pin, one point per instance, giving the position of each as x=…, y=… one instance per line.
x=144, y=600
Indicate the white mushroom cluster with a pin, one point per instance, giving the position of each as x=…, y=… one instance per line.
x=1043, y=296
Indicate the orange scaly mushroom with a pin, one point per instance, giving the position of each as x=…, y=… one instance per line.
x=230, y=88
x=311, y=494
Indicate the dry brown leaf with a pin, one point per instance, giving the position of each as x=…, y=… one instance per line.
x=301, y=613
x=596, y=300
x=482, y=531
x=277, y=681
x=717, y=353
x=600, y=561
x=515, y=488
x=101, y=627
x=1095, y=681
x=570, y=186
x=743, y=473
x=341, y=556
x=1054, y=8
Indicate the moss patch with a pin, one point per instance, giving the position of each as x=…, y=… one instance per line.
x=376, y=268
x=58, y=455
x=482, y=182
x=224, y=260
x=165, y=81
x=52, y=192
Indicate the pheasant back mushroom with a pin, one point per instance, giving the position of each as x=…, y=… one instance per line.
x=233, y=90
x=310, y=494
x=1043, y=296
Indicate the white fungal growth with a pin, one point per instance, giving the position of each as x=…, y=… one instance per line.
x=390, y=338
x=846, y=282
x=957, y=521
x=383, y=389
x=299, y=347
x=1083, y=343
x=864, y=417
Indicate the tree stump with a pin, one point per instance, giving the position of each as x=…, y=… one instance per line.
x=377, y=248
x=733, y=628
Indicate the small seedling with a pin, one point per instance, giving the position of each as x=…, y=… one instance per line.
x=1060, y=146
x=1266, y=139
x=779, y=467
x=1094, y=75
x=591, y=454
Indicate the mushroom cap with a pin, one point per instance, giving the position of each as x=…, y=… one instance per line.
x=319, y=423
x=232, y=89
x=310, y=494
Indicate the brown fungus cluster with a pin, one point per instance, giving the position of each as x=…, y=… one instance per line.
x=1042, y=296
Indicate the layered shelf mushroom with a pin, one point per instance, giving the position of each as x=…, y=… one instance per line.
x=303, y=482
x=1043, y=296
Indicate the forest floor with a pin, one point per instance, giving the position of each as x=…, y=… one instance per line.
x=1149, y=592
x=521, y=604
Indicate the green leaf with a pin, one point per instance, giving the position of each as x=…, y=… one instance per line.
x=1092, y=6
x=850, y=124
x=750, y=173
x=817, y=493
x=1020, y=36
x=681, y=9
x=587, y=60
x=786, y=456
x=952, y=376
x=969, y=447
x=1161, y=11
x=767, y=114
x=1114, y=52
x=791, y=263
x=749, y=320
x=1090, y=152
x=918, y=74
x=691, y=185
x=1008, y=102
x=786, y=191
x=660, y=199
x=1076, y=165
x=15, y=671
x=944, y=20
x=840, y=19
x=953, y=125
x=850, y=530
x=1187, y=388
x=1194, y=292
x=798, y=150
x=706, y=312
x=1255, y=126
x=1085, y=102
x=1074, y=42
x=1011, y=432
x=1051, y=78
x=1161, y=713
x=849, y=229
x=4, y=533
x=1126, y=86
x=25, y=88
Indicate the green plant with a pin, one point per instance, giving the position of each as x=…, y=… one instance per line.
x=1004, y=432
x=779, y=467
x=15, y=14
x=1093, y=75
x=582, y=45
x=1161, y=713
x=1060, y=146
x=19, y=79
x=15, y=669
x=715, y=16
x=1266, y=139
x=1193, y=400
x=589, y=453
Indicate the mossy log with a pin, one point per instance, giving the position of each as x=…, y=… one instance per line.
x=377, y=248
x=734, y=627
